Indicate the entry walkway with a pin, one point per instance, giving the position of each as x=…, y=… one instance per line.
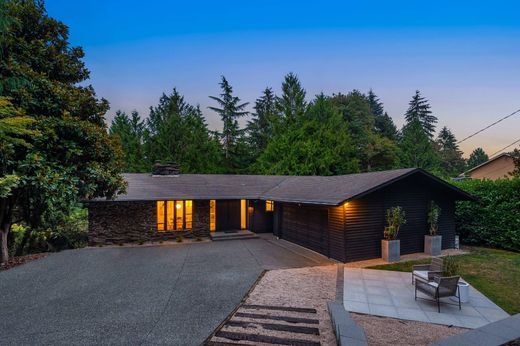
x=391, y=294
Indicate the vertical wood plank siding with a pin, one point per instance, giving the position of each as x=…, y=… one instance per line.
x=260, y=221
x=306, y=226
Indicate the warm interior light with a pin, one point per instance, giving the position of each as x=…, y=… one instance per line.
x=178, y=206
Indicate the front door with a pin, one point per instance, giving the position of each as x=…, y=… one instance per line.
x=228, y=215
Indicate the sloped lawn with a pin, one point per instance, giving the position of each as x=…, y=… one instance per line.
x=495, y=273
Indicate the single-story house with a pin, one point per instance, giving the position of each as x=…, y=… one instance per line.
x=498, y=167
x=342, y=217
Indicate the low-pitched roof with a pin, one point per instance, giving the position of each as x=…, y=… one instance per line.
x=486, y=163
x=326, y=190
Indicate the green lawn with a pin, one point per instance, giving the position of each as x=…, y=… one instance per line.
x=495, y=273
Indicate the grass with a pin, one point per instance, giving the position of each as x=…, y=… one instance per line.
x=495, y=273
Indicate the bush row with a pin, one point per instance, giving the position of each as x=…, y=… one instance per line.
x=495, y=219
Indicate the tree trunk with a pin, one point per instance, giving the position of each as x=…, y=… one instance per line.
x=3, y=247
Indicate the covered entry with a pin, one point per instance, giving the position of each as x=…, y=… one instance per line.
x=228, y=215
x=306, y=226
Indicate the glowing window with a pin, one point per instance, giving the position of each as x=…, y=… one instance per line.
x=212, y=215
x=189, y=214
x=243, y=214
x=174, y=215
x=269, y=205
x=160, y=215
x=170, y=215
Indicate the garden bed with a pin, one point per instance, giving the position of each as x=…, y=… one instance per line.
x=19, y=260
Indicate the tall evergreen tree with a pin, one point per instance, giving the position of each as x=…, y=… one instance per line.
x=372, y=150
x=383, y=123
x=291, y=104
x=451, y=160
x=419, y=109
x=477, y=157
x=230, y=110
x=316, y=143
x=416, y=148
x=261, y=126
x=130, y=131
x=177, y=132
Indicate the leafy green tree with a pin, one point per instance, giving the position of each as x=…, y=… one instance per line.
x=316, y=143
x=515, y=154
x=231, y=109
x=384, y=125
x=419, y=109
x=131, y=132
x=177, y=132
x=72, y=157
x=451, y=160
x=373, y=151
x=477, y=157
x=416, y=148
x=261, y=126
x=15, y=133
x=291, y=104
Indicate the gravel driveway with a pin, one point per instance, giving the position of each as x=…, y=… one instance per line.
x=171, y=294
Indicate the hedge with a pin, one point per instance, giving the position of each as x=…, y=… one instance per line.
x=495, y=219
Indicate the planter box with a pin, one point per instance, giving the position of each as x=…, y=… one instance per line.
x=463, y=292
x=391, y=250
x=433, y=244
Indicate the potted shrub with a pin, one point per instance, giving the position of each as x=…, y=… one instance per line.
x=390, y=245
x=452, y=268
x=433, y=241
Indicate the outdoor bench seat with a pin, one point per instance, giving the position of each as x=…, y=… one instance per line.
x=427, y=272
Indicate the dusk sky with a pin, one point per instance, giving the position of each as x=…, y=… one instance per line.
x=464, y=56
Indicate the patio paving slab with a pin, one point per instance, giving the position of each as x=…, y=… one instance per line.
x=391, y=294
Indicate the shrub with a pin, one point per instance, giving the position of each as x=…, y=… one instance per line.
x=433, y=217
x=395, y=217
x=451, y=266
x=495, y=219
x=179, y=239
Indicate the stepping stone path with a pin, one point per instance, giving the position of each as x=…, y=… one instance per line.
x=268, y=325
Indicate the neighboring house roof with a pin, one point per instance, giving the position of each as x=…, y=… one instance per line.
x=326, y=190
x=486, y=163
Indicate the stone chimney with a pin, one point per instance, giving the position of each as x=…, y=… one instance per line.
x=169, y=168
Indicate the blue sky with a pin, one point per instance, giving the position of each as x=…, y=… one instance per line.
x=463, y=55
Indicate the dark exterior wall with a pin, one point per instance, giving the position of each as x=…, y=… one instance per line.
x=306, y=225
x=365, y=218
x=126, y=222
x=364, y=225
x=336, y=228
x=260, y=221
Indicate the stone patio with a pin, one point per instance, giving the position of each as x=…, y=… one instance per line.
x=391, y=294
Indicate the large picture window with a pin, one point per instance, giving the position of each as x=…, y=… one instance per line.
x=174, y=215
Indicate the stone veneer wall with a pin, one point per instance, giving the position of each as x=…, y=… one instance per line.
x=126, y=222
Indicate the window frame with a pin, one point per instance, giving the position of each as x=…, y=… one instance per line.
x=165, y=224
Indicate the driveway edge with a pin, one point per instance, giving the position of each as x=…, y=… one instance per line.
x=228, y=317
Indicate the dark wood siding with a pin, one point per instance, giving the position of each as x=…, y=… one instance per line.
x=447, y=222
x=260, y=221
x=306, y=226
x=365, y=218
x=336, y=226
x=364, y=228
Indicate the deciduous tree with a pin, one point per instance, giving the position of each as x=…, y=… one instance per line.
x=73, y=156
